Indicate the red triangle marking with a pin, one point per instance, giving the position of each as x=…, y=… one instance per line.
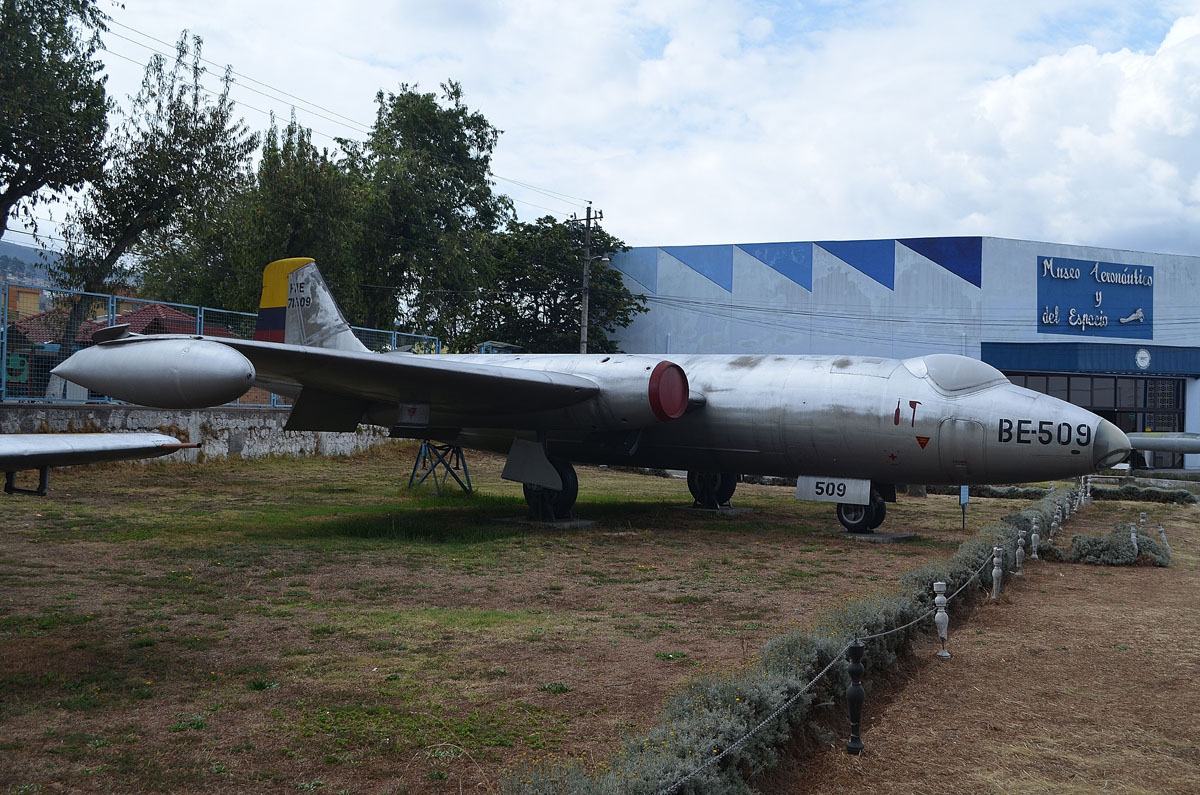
x=922, y=440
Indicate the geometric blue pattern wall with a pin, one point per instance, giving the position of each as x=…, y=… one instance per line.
x=962, y=256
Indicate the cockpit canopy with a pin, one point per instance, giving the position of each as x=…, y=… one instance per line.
x=955, y=374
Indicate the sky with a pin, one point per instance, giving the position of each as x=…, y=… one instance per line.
x=738, y=121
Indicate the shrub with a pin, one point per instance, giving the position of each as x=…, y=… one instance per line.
x=1116, y=549
x=739, y=717
x=1129, y=491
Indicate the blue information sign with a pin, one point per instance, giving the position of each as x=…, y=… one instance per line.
x=1086, y=298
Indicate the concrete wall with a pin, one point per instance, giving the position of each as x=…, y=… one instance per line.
x=245, y=432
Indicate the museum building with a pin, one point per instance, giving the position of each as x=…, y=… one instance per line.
x=1117, y=332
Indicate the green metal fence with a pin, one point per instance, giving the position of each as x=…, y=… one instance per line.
x=39, y=327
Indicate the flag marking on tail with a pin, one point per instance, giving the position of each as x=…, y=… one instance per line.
x=272, y=309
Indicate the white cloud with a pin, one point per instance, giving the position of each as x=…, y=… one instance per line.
x=700, y=121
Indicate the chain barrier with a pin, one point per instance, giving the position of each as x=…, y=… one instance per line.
x=34, y=325
x=792, y=700
x=675, y=787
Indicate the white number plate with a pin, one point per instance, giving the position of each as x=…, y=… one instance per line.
x=849, y=490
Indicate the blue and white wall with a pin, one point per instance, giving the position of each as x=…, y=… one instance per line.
x=882, y=297
x=1019, y=305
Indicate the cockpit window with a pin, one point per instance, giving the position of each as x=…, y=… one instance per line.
x=955, y=373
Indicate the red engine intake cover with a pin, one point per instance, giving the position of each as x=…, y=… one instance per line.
x=668, y=391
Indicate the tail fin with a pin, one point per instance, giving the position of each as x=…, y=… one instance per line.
x=297, y=308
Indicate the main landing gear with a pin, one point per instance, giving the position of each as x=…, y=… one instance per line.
x=865, y=518
x=551, y=505
x=711, y=489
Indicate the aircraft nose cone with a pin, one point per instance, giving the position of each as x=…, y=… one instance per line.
x=1111, y=445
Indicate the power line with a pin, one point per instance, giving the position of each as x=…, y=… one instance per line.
x=359, y=127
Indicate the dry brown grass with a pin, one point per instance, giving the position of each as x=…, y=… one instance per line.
x=290, y=624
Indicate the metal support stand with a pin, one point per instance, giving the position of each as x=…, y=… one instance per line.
x=448, y=458
x=10, y=480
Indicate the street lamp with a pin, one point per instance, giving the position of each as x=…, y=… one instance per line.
x=583, y=320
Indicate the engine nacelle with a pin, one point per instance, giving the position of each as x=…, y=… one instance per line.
x=635, y=391
x=175, y=373
x=647, y=393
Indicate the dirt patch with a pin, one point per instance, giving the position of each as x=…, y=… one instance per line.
x=1081, y=679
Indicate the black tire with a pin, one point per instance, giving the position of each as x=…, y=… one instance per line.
x=550, y=504
x=878, y=511
x=711, y=489
x=855, y=518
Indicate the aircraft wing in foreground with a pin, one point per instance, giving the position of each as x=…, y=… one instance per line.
x=20, y=451
x=848, y=427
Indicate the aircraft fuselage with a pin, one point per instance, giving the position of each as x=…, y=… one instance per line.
x=933, y=420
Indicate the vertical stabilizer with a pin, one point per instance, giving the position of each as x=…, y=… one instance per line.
x=297, y=308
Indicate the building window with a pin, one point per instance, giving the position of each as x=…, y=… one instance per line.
x=1132, y=404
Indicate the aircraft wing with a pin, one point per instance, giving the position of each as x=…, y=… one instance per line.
x=35, y=450
x=1165, y=442
x=303, y=347
x=467, y=388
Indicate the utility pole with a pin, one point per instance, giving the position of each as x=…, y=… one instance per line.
x=587, y=275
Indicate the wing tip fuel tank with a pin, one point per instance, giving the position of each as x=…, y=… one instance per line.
x=170, y=373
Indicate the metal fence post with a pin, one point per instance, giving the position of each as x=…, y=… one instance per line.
x=941, y=620
x=4, y=344
x=997, y=571
x=855, y=695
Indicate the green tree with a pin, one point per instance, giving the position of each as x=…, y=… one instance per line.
x=299, y=203
x=177, y=154
x=53, y=109
x=429, y=211
x=533, y=299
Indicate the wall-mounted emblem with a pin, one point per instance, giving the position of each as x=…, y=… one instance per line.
x=1087, y=298
x=1142, y=359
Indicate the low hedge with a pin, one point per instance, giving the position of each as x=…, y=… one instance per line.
x=1132, y=492
x=711, y=716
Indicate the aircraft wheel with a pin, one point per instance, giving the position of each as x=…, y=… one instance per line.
x=711, y=489
x=878, y=510
x=548, y=505
x=855, y=518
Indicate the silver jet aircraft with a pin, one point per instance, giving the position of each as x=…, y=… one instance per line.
x=850, y=427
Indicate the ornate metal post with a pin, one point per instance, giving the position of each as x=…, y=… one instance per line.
x=1163, y=536
x=1142, y=520
x=997, y=571
x=941, y=620
x=1034, y=540
x=1133, y=530
x=855, y=695
x=1020, y=552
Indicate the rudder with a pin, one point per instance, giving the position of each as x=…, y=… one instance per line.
x=297, y=308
